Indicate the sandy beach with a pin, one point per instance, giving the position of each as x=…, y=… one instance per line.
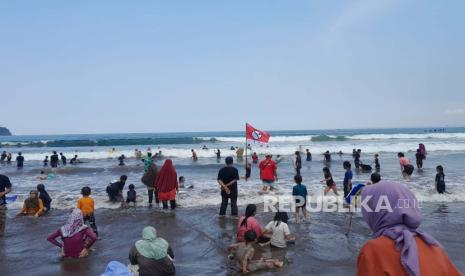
x=199, y=239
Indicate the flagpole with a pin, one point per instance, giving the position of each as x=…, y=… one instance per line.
x=245, y=147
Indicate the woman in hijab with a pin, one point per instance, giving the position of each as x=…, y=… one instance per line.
x=166, y=184
x=33, y=205
x=76, y=236
x=43, y=195
x=153, y=255
x=398, y=247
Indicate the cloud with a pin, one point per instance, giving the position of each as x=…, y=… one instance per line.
x=455, y=111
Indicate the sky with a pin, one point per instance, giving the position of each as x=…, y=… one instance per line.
x=172, y=66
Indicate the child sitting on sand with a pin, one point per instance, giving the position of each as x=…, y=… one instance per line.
x=299, y=192
x=279, y=230
x=131, y=196
x=440, y=183
x=244, y=253
x=86, y=205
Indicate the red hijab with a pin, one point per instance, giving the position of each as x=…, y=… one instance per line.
x=167, y=178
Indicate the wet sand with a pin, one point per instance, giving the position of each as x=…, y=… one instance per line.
x=199, y=240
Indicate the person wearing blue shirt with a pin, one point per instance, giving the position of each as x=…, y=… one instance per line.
x=347, y=178
x=299, y=192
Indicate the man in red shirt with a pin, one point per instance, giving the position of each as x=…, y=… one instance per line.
x=268, y=174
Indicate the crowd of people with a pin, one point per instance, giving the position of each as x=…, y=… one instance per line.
x=398, y=247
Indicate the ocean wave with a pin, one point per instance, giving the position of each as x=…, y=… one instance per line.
x=186, y=140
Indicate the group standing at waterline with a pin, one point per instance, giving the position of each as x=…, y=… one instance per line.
x=277, y=231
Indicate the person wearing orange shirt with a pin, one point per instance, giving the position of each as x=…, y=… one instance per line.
x=86, y=205
x=398, y=246
x=33, y=205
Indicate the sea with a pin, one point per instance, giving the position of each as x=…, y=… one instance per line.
x=99, y=167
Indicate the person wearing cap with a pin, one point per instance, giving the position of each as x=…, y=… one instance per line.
x=268, y=173
x=227, y=179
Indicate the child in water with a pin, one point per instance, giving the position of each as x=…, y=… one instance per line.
x=279, y=230
x=440, y=183
x=131, y=196
x=299, y=190
x=182, y=183
x=244, y=255
x=86, y=205
x=330, y=184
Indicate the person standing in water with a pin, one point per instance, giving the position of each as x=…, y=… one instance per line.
x=439, y=181
x=8, y=158
x=5, y=188
x=347, y=178
x=20, y=160
x=377, y=165
x=309, y=155
x=254, y=158
x=268, y=173
x=63, y=159
x=166, y=184
x=218, y=154
x=330, y=184
x=297, y=162
x=357, y=158
x=86, y=205
x=405, y=166
x=227, y=179
x=419, y=159
x=194, y=155
x=327, y=156
x=54, y=160
x=45, y=161
x=299, y=192
x=121, y=160
x=3, y=157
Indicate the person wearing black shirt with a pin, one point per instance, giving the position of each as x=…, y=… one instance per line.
x=297, y=163
x=54, y=160
x=44, y=196
x=3, y=156
x=5, y=188
x=115, y=189
x=309, y=155
x=20, y=160
x=227, y=178
x=357, y=158
x=63, y=159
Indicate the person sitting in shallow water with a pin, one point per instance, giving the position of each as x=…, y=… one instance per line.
x=42, y=176
x=33, y=205
x=152, y=254
x=76, y=236
x=398, y=246
x=244, y=255
x=43, y=195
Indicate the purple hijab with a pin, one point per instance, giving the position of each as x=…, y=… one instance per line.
x=399, y=225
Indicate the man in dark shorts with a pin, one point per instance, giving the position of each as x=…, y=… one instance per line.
x=227, y=178
x=115, y=189
x=5, y=188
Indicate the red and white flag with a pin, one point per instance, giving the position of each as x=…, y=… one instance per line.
x=256, y=135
